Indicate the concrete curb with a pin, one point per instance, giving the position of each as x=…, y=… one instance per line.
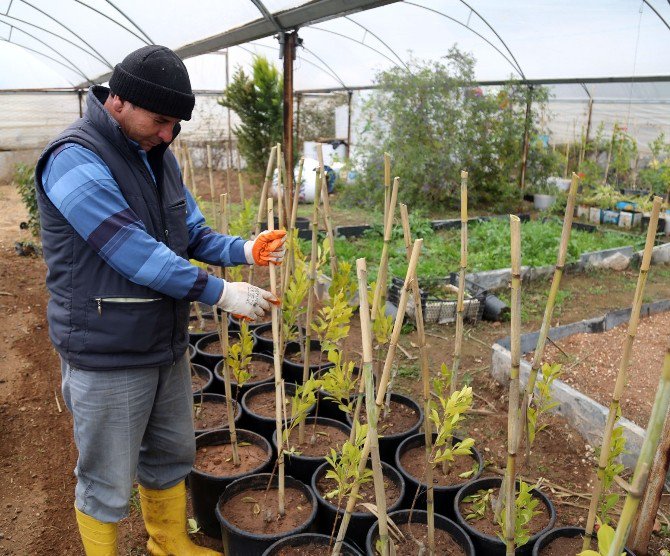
x=583, y=413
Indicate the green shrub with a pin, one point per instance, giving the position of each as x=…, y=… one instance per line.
x=435, y=122
x=24, y=178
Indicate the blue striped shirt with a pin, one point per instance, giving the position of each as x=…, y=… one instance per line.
x=82, y=188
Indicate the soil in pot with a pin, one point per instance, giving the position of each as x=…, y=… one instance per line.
x=263, y=404
x=484, y=531
x=214, y=470
x=194, y=327
x=210, y=413
x=327, y=437
x=399, y=419
x=201, y=378
x=450, y=539
x=315, y=357
x=308, y=544
x=261, y=370
x=411, y=462
x=214, y=347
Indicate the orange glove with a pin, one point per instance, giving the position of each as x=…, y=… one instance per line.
x=268, y=247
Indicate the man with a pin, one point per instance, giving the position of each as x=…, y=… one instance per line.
x=118, y=230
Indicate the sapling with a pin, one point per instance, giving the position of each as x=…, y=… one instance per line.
x=301, y=404
x=605, y=538
x=339, y=381
x=238, y=357
x=344, y=469
x=327, y=217
x=543, y=401
x=615, y=406
x=525, y=508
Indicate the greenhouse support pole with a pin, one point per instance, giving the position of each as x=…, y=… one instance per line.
x=348, y=151
x=526, y=138
x=229, y=125
x=298, y=98
x=643, y=526
x=588, y=121
x=289, y=55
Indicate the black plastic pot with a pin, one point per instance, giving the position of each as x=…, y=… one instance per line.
x=310, y=539
x=253, y=325
x=562, y=532
x=360, y=522
x=419, y=516
x=265, y=426
x=193, y=325
x=292, y=371
x=191, y=352
x=216, y=398
x=219, y=383
x=444, y=495
x=206, y=488
x=263, y=344
x=493, y=546
x=388, y=443
x=205, y=374
x=303, y=467
x=237, y=541
x=210, y=360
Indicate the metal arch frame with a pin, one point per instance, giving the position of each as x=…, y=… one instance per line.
x=40, y=54
x=313, y=27
x=516, y=67
x=379, y=39
x=268, y=16
x=112, y=20
x=151, y=41
x=658, y=14
x=325, y=64
x=317, y=66
x=72, y=65
x=54, y=34
x=105, y=61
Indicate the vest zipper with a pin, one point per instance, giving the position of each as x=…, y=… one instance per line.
x=99, y=301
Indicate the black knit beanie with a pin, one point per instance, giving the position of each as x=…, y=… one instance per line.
x=154, y=78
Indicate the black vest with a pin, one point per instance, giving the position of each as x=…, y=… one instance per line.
x=98, y=319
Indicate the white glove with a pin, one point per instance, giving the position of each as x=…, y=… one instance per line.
x=243, y=299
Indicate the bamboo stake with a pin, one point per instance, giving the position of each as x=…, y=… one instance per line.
x=311, y=294
x=290, y=255
x=372, y=410
x=549, y=308
x=327, y=217
x=410, y=278
x=513, y=410
x=239, y=177
x=277, y=363
x=425, y=375
x=210, y=171
x=280, y=200
x=644, y=460
x=387, y=184
x=622, y=375
x=223, y=337
x=264, y=192
x=381, y=389
x=286, y=191
x=383, y=263
x=567, y=159
x=643, y=526
x=194, y=185
x=458, y=345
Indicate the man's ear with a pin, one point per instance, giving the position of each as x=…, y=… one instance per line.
x=116, y=103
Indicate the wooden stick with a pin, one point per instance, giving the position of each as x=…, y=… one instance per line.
x=289, y=259
x=311, y=297
x=371, y=409
x=239, y=177
x=643, y=526
x=644, y=460
x=387, y=186
x=513, y=410
x=194, y=184
x=381, y=389
x=549, y=308
x=327, y=217
x=622, y=375
x=280, y=200
x=210, y=171
x=277, y=363
x=264, y=192
x=382, y=272
x=425, y=376
x=458, y=344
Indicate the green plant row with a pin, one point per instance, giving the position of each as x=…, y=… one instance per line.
x=488, y=247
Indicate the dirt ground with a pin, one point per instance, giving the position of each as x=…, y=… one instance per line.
x=37, y=453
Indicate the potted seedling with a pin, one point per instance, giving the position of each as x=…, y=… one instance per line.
x=338, y=384
x=257, y=510
x=453, y=461
x=519, y=509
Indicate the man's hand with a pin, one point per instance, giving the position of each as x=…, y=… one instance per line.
x=267, y=248
x=244, y=300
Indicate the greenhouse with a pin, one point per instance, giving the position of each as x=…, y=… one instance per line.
x=295, y=277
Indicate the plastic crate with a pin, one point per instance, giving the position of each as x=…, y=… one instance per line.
x=437, y=310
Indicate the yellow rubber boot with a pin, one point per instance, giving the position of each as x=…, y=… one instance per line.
x=99, y=538
x=164, y=513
